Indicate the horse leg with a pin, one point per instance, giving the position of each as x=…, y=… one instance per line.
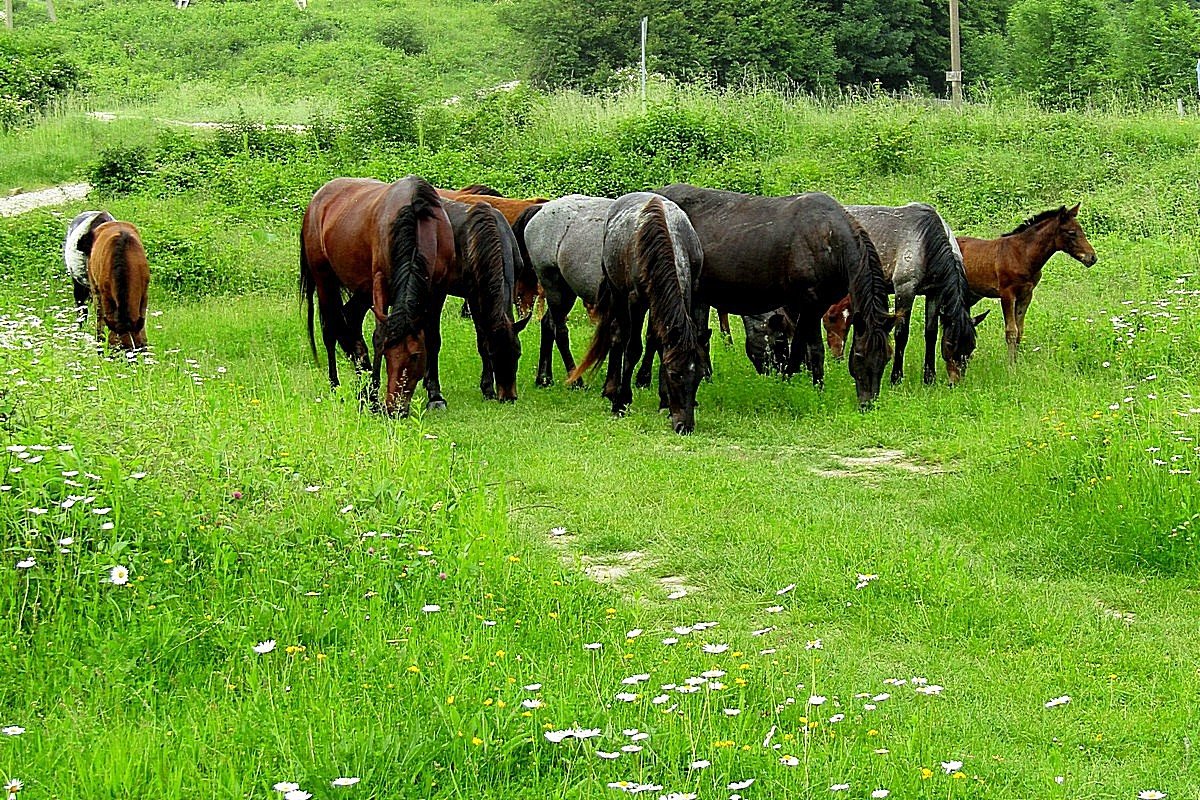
x=83, y=293
x=616, y=353
x=646, y=372
x=932, y=313
x=798, y=353
x=810, y=322
x=368, y=396
x=433, y=345
x=561, y=336
x=545, y=370
x=487, y=378
x=723, y=323
x=904, y=305
x=465, y=311
x=633, y=351
x=329, y=305
x=1008, y=302
x=352, y=339
x=1024, y=297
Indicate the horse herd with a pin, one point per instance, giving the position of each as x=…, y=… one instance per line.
x=785, y=264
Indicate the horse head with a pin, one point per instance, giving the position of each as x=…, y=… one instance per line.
x=870, y=350
x=958, y=342
x=837, y=327
x=1071, y=239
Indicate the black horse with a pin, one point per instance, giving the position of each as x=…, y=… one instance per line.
x=804, y=252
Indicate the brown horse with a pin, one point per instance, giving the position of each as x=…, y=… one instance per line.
x=119, y=278
x=392, y=243
x=837, y=326
x=526, y=285
x=1011, y=266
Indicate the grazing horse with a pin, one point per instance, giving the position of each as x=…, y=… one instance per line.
x=526, y=286
x=920, y=256
x=837, y=326
x=77, y=249
x=1010, y=267
x=769, y=339
x=651, y=263
x=481, y=189
x=804, y=252
x=392, y=243
x=564, y=241
x=119, y=278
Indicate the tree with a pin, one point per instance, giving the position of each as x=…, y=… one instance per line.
x=1060, y=48
x=1160, y=46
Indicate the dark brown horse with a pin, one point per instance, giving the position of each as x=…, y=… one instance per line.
x=119, y=277
x=1011, y=266
x=804, y=252
x=526, y=280
x=392, y=243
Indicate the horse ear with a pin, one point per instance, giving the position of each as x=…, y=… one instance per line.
x=1074, y=211
x=976, y=320
x=520, y=324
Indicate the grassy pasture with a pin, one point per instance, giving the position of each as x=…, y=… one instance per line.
x=1025, y=540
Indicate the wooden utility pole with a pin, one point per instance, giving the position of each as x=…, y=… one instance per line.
x=643, y=72
x=8, y=14
x=954, y=76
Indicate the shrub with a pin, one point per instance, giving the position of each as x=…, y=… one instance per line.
x=121, y=170
x=398, y=34
x=31, y=80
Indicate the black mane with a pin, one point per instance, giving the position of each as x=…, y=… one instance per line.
x=1036, y=220
x=409, y=284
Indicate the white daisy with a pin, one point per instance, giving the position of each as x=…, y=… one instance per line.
x=27, y=563
x=626, y=697
x=677, y=594
x=634, y=680
x=559, y=531
x=1058, y=701
x=670, y=640
x=118, y=575
x=839, y=787
x=593, y=646
x=297, y=794
x=701, y=764
x=285, y=786
x=790, y=761
x=531, y=704
x=532, y=687
x=880, y=793
x=715, y=648
x=343, y=781
x=660, y=699
x=607, y=756
x=786, y=589
x=951, y=767
x=737, y=786
x=262, y=648
x=431, y=608
x=732, y=712
x=1151, y=794
x=816, y=700
x=633, y=634
x=773, y=609
x=13, y=786
x=631, y=748
x=12, y=730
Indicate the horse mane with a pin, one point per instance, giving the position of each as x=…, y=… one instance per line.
x=669, y=300
x=945, y=271
x=1036, y=220
x=485, y=266
x=409, y=283
x=480, y=189
x=868, y=289
x=518, y=228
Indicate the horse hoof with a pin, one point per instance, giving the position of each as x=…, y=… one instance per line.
x=642, y=384
x=543, y=381
x=577, y=385
x=897, y=377
x=436, y=405
x=489, y=395
x=928, y=377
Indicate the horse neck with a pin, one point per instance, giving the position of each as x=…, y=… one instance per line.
x=1032, y=247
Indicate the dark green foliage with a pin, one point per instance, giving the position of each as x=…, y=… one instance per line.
x=32, y=79
x=120, y=170
x=1061, y=49
x=399, y=34
x=1160, y=47
x=386, y=115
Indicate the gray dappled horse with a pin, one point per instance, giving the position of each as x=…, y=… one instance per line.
x=564, y=241
x=652, y=262
x=920, y=257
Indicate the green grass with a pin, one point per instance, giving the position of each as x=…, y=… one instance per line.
x=1004, y=566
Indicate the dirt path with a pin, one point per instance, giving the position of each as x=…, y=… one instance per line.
x=54, y=196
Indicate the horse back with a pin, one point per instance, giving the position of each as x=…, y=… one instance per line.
x=511, y=208
x=760, y=252
x=983, y=260
x=118, y=268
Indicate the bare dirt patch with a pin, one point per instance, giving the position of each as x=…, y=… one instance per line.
x=876, y=463
x=612, y=567
x=54, y=196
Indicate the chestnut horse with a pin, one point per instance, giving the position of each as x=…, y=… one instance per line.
x=1011, y=266
x=394, y=244
x=119, y=277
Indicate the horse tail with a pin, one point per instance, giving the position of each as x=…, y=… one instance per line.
x=602, y=341
x=485, y=265
x=308, y=287
x=668, y=293
x=409, y=285
x=122, y=243
x=518, y=228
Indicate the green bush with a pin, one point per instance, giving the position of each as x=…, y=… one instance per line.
x=398, y=34
x=121, y=170
x=32, y=79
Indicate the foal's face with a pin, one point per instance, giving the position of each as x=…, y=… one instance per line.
x=837, y=328
x=1072, y=240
